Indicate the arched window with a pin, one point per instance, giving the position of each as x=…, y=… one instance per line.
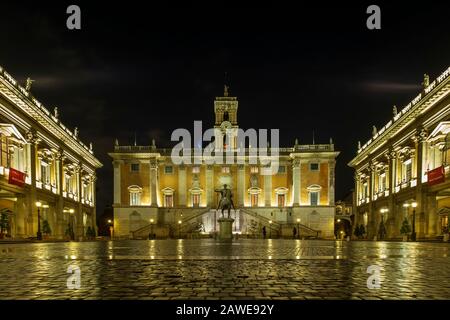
x=135, y=195
x=254, y=196
x=281, y=196
x=168, y=197
x=314, y=194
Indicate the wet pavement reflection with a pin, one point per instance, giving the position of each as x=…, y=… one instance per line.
x=208, y=269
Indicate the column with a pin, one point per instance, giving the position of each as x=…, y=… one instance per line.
x=117, y=164
x=31, y=147
x=355, y=205
x=94, y=201
x=241, y=185
x=372, y=224
x=431, y=218
x=210, y=185
x=390, y=221
x=331, y=166
x=267, y=189
x=21, y=217
x=296, y=181
x=79, y=214
x=59, y=232
x=420, y=140
x=153, y=182
x=182, y=185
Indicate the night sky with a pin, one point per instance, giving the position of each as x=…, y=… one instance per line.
x=149, y=70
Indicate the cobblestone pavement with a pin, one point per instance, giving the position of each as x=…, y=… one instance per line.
x=206, y=269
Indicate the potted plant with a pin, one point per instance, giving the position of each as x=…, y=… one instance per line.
x=445, y=232
x=46, y=230
x=4, y=222
x=69, y=232
x=362, y=230
x=405, y=230
x=90, y=233
x=357, y=232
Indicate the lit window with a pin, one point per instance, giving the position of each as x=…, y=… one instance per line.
x=135, y=195
x=195, y=169
x=168, y=170
x=254, y=169
x=314, y=166
x=281, y=200
x=45, y=172
x=135, y=167
x=225, y=169
x=168, y=200
x=382, y=182
x=254, y=200
x=407, y=171
x=314, y=198
x=68, y=180
x=196, y=200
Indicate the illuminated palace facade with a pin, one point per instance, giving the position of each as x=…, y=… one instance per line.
x=45, y=170
x=403, y=170
x=153, y=196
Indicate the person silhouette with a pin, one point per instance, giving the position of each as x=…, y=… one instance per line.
x=264, y=232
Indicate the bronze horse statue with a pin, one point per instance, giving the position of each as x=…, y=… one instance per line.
x=226, y=201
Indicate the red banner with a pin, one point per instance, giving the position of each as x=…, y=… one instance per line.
x=436, y=176
x=16, y=177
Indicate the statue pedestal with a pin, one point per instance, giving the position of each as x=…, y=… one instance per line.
x=225, y=228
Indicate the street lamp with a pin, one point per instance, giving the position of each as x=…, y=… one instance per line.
x=151, y=224
x=179, y=229
x=413, y=233
x=111, y=229
x=270, y=226
x=298, y=228
x=39, y=233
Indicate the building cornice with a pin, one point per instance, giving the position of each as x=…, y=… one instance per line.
x=23, y=99
x=431, y=95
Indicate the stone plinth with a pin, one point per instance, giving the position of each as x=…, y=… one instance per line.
x=225, y=228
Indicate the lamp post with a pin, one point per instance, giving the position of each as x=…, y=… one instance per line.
x=413, y=233
x=111, y=229
x=39, y=233
x=382, y=232
x=338, y=228
x=298, y=228
x=151, y=228
x=270, y=227
x=179, y=229
x=406, y=206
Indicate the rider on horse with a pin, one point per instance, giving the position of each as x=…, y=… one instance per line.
x=226, y=201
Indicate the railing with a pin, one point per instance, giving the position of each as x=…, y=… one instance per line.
x=39, y=106
x=185, y=227
x=246, y=151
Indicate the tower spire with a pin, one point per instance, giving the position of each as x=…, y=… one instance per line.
x=226, y=87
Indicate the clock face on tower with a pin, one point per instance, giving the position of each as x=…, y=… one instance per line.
x=225, y=125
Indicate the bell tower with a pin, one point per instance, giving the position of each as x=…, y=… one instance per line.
x=225, y=110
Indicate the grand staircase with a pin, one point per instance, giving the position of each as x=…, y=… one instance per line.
x=276, y=227
x=169, y=225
